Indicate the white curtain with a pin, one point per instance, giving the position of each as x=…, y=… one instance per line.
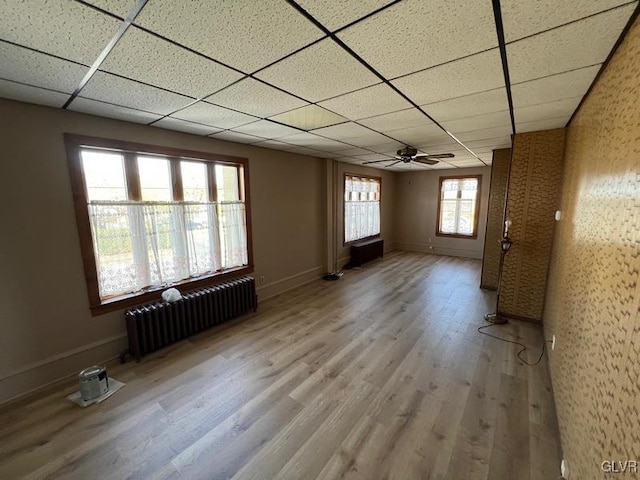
x=361, y=208
x=138, y=245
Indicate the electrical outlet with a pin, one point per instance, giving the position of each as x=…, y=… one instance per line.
x=564, y=469
x=553, y=342
x=262, y=280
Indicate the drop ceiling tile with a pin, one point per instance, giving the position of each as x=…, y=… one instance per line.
x=66, y=29
x=86, y=105
x=207, y=114
x=420, y=135
x=146, y=58
x=397, y=120
x=348, y=152
x=309, y=117
x=310, y=140
x=469, y=75
x=245, y=34
x=352, y=133
x=478, y=122
x=305, y=151
x=417, y=34
x=387, y=148
x=184, y=126
x=442, y=166
x=321, y=154
x=584, y=43
x=121, y=8
x=542, y=111
x=483, y=134
x=275, y=145
x=112, y=89
x=370, y=157
x=370, y=101
x=334, y=15
x=503, y=141
x=256, y=98
x=266, y=129
x=321, y=71
x=524, y=18
x=26, y=66
x=237, y=137
x=546, y=124
x=29, y=94
x=475, y=104
x=554, y=87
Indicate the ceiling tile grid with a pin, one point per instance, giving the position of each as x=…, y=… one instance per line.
x=237, y=137
x=305, y=73
x=351, y=133
x=146, y=58
x=448, y=29
x=266, y=129
x=489, y=101
x=214, y=116
x=29, y=94
x=309, y=117
x=543, y=111
x=93, y=107
x=478, y=122
x=334, y=15
x=67, y=29
x=367, y=102
x=184, y=126
x=121, y=8
x=390, y=122
x=245, y=34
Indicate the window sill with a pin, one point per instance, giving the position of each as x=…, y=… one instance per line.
x=457, y=235
x=124, y=301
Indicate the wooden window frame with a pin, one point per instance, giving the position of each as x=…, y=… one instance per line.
x=74, y=144
x=476, y=216
x=344, y=208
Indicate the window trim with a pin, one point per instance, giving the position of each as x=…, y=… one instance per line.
x=476, y=217
x=74, y=143
x=344, y=208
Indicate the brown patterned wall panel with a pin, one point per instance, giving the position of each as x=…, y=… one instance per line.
x=593, y=294
x=495, y=218
x=533, y=198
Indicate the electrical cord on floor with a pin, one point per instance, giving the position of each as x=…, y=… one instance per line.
x=521, y=351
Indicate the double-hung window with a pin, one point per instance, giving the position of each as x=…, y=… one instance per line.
x=361, y=207
x=458, y=206
x=150, y=217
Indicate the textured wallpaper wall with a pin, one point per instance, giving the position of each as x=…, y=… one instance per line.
x=533, y=198
x=593, y=293
x=495, y=214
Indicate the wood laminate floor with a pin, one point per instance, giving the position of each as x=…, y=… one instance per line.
x=381, y=374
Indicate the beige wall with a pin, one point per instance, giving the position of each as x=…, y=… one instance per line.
x=593, y=294
x=47, y=330
x=387, y=205
x=415, y=219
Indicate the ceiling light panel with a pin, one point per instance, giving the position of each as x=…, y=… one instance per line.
x=469, y=105
x=66, y=29
x=309, y=117
x=524, y=18
x=443, y=29
x=478, y=122
x=29, y=94
x=370, y=101
x=321, y=71
x=245, y=34
x=183, y=126
x=146, y=58
x=26, y=66
x=546, y=124
x=397, y=120
x=542, y=111
x=93, y=107
x=554, y=87
x=120, y=91
x=256, y=98
x=577, y=45
x=352, y=133
x=237, y=137
x=121, y=8
x=305, y=139
x=334, y=15
x=469, y=75
x=207, y=114
x=266, y=129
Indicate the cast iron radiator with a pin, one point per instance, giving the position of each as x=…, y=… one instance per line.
x=154, y=326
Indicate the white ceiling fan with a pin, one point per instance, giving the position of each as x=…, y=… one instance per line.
x=410, y=154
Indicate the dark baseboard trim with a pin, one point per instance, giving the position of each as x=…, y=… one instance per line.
x=488, y=287
x=520, y=317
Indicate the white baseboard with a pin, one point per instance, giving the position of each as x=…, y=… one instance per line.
x=450, y=252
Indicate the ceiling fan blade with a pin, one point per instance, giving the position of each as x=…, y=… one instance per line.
x=397, y=161
x=436, y=155
x=378, y=161
x=426, y=161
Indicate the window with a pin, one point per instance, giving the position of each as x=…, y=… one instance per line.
x=361, y=207
x=458, y=206
x=150, y=217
